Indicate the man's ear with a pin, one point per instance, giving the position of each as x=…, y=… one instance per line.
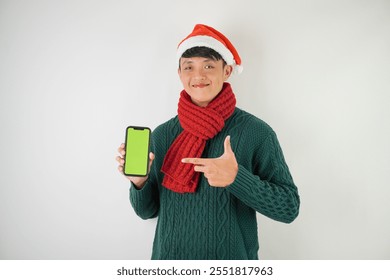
x=179, y=66
x=227, y=71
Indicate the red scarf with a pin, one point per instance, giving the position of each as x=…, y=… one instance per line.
x=199, y=124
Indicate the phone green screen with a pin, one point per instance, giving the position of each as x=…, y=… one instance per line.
x=137, y=151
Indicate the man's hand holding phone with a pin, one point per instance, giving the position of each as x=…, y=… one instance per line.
x=139, y=182
x=135, y=159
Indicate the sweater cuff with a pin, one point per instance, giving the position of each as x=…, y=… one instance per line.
x=241, y=187
x=139, y=194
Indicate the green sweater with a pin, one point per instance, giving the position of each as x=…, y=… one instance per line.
x=219, y=223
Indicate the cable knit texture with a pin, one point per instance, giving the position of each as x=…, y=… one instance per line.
x=219, y=223
x=199, y=124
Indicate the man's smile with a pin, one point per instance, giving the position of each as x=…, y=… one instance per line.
x=200, y=85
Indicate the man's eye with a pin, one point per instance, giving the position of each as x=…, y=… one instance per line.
x=209, y=67
x=187, y=68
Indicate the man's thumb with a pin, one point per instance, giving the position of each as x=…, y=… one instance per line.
x=227, y=145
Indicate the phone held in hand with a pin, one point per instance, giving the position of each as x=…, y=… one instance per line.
x=137, y=146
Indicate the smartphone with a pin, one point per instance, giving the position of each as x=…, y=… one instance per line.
x=137, y=146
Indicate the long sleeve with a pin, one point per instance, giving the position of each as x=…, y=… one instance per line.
x=264, y=182
x=144, y=201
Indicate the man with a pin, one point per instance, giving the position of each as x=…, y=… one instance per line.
x=213, y=166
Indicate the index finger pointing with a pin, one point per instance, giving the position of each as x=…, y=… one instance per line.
x=197, y=161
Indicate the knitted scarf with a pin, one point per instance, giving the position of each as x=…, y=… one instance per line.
x=199, y=124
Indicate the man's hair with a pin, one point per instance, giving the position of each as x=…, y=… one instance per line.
x=203, y=52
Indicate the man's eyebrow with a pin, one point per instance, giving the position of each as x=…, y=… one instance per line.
x=189, y=61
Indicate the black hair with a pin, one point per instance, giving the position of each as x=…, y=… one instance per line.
x=202, y=52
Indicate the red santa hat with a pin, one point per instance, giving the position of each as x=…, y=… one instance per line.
x=206, y=36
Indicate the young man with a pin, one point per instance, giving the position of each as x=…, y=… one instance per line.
x=213, y=166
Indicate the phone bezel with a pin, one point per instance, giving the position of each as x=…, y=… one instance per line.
x=147, y=161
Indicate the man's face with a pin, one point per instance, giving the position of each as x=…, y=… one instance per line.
x=203, y=78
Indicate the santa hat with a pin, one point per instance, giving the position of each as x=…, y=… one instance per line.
x=206, y=36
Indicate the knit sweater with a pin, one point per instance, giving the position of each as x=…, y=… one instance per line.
x=219, y=223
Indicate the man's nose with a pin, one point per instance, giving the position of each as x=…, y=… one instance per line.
x=199, y=74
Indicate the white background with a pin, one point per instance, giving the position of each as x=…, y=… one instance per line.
x=74, y=74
